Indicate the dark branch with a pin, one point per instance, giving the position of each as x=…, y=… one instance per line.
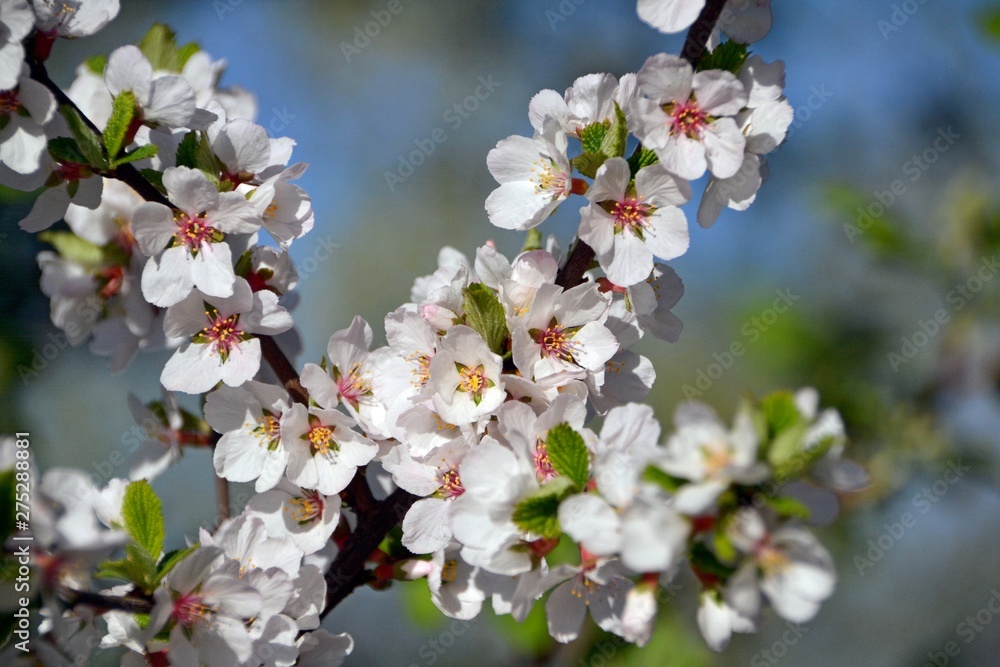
x=283, y=368
x=104, y=603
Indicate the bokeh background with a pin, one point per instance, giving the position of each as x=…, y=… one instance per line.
x=874, y=85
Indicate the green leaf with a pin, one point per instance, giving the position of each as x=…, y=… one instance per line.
x=65, y=149
x=72, y=247
x=724, y=549
x=989, y=23
x=195, y=152
x=159, y=45
x=780, y=411
x=96, y=64
x=485, y=314
x=89, y=142
x=143, y=516
x=667, y=482
x=703, y=560
x=539, y=513
x=171, y=559
x=568, y=454
x=122, y=113
x=140, y=153
x=616, y=137
x=882, y=234
x=588, y=163
x=728, y=56
x=532, y=240
x=788, y=508
x=124, y=569
x=155, y=177
x=592, y=136
x=641, y=157
x=785, y=451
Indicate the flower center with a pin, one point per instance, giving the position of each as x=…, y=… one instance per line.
x=192, y=232
x=687, y=118
x=631, y=214
x=114, y=277
x=473, y=380
x=548, y=178
x=543, y=466
x=222, y=333
x=422, y=369
x=268, y=430
x=189, y=610
x=772, y=560
x=307, y=508
x=9, y=103
x=717, y=457
x=321, y=440
x=555, y=340
x=353, y=385
x=451, y=484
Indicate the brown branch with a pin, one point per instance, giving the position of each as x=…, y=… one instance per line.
x=348, y=569
x=102, y=603
x=283, y=368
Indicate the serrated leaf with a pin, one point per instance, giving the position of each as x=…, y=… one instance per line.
x=126, y=570
x=159, y=45
x=142, y=513
x=122, y=113
x=568, y=454
x=66, y=150
x=728, y=56
x=789, y=508
x=171, y=559
x=640, y=158
x=140, y=153
x=485, y=314
x=89, y=142
x=592, y=136
x=616, y=137
x=538, y=514
x=588, y=163
x=195, y=152
x=72, y=247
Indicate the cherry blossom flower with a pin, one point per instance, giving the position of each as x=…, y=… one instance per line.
x=164, y=99
x=465, y=377
x=324, y=451
x=16, y=21
x=73, y=18
x=687, y=117
x=305, y=516
x=25, y=109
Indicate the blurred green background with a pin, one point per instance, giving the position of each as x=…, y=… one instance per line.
x=888, y=96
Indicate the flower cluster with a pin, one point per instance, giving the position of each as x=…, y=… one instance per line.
x=477, y=407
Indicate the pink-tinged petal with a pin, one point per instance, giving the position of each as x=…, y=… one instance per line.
x=425, y=526
x=194, y=369
x=171, y=102
x=48, y=208
x=565, y=610
x=667, y=236
x=719, y=93
x=659, y=187
x=167, y=279
x=242, y=363
x=685, y=156
x=724, y=147
x=597, y=228
x=611, y=181
x=153, y=227
x=128, y=69
x=190, y=190
x=666, y=78
x=670, y=16
x=518, y=205
x=212, y=269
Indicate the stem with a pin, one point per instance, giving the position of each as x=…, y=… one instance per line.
x=580, y=257
x=222, y=498
x=101, y=602
x=283, y=368
x=126, y=173
x=348, y=569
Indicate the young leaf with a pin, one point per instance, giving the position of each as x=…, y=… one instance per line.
x=74, y=248
x=171, y=559
x=539, y=513
x=568, y=454
x=641, y=157
x=728, y=56
x=143, y=516
x=195, y=152
x=789, y=508
x=484, y=313
x=616, y=137
x=122, y=112
x=88, y=141
x=588, y=163
x=64, y=149
x=159, y=45
x=592, y=136
x=140, y=153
